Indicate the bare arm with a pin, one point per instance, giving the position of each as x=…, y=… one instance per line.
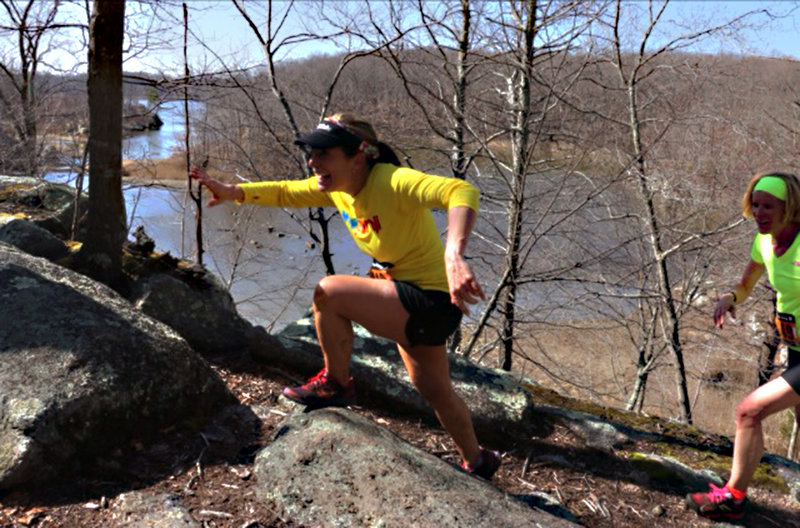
x=464, y=288
x=728, y=301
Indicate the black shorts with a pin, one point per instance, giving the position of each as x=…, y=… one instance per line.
x=431, y=315
x=792, y=372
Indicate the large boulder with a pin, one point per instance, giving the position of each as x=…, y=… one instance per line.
x=504, y=405
x=201, y=310
x=31, y=238
x=335, y=468
x=56, y=206
x=83, y=372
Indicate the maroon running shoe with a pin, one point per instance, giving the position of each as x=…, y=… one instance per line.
x=485, y=466
x=322, y=391
x=716, y=504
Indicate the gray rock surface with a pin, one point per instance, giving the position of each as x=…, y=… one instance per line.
x=31, y=238
x=139, y=510
x=665, y=472
x=333, y=467
x=82, y=371
x=503, y=404
x=57, y=204
x=203, y=313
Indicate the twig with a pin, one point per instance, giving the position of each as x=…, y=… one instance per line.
x=596, y=506
x=527, y=463
x=198, y=465
x=187, y=489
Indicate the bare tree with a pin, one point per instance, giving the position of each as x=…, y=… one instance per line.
x=649, y=114
x=523, y=40
x=33, y=28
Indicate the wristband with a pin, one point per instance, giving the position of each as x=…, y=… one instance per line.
x=733, y=294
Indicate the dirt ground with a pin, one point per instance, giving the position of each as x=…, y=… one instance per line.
x=220, y=493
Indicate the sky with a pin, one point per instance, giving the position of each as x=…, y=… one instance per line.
x=218, y=24
x=779, y=38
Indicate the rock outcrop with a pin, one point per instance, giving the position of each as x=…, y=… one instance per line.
x=202, y=312
x=54, y=204
x=83, y=372
x=503, y=404
x=336, y=468
x=30, y=238
x=506, y=406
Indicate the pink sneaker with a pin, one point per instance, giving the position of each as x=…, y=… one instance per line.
x=716, y=504
x=322, y=391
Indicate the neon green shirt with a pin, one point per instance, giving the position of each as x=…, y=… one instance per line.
x=390, y=218
x=784, y=276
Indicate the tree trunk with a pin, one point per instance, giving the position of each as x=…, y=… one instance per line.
x=508, y=304
x=196, y=195
x=459, y=107
x=101, y=255
x=520, y=102
x=637, y=394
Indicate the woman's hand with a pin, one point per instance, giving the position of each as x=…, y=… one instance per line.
x=464, y=289
x=724, y=305
x=221, y=192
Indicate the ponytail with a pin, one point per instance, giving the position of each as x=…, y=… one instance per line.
x=386, y=155
x=365, y=139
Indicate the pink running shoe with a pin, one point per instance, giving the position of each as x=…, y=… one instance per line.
x=322, y=391
x=716, y=504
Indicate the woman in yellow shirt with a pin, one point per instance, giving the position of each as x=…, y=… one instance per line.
x=387, y=210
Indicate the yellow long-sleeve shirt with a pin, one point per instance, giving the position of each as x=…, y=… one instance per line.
x=390, y=218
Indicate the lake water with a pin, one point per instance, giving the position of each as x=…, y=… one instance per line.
x=264, y=254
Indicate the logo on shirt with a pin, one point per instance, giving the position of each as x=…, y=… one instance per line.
x=362, y=224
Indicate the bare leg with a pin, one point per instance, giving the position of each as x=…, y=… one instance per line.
x=429, y=371
x=340, y=300
x=749, y=444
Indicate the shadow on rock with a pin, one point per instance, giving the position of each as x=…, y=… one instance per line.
x=230, y=438
x=86, y=381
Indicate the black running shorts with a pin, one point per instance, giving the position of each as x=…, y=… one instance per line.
x=792, y=372
x=431, y=315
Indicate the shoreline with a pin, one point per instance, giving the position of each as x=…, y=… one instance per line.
x=166, y=172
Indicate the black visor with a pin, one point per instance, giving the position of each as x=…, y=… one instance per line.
x=327, y=135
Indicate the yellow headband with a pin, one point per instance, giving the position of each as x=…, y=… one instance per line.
x=772, y=185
